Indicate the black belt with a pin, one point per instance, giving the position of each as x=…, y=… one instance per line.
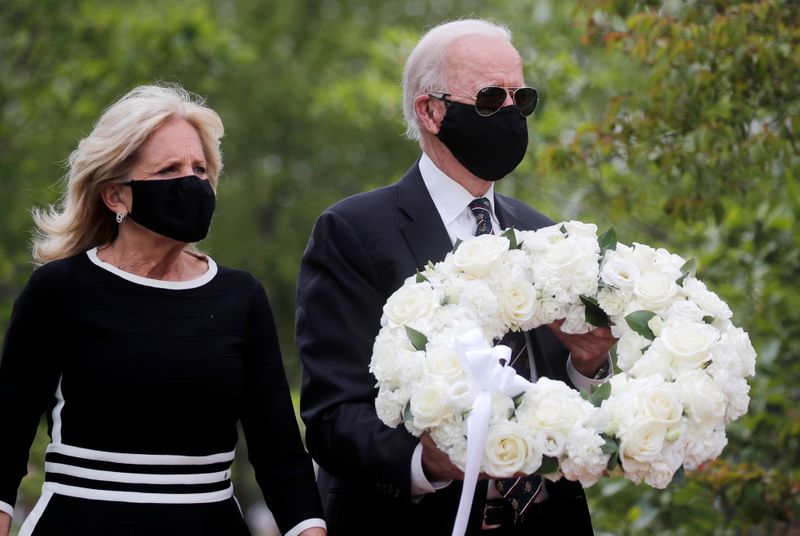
x=499, y=513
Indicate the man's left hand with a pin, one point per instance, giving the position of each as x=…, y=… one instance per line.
x=589, y=350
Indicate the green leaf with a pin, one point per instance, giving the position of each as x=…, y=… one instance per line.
x=613, y=461
x=593, y=313
x=512, y=239
x=518, y=399
x=563, y=230
x=418, y=340
x=708, y=319
x=638, y=320
x=607, y=240
x=407, y=415
x=421, y=278
x=458, y=243
x=688, y=269
x=611, y=445
x=600, y=393
x=549, y=465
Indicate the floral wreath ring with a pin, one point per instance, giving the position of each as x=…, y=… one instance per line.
x=681, y=364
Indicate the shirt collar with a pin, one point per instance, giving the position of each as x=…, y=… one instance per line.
x=450, y=198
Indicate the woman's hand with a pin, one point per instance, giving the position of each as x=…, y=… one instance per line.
x=314, y=531
x=5, y=524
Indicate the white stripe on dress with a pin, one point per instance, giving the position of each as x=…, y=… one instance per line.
x=138, y=497
x=144, y=459
x=136, y=478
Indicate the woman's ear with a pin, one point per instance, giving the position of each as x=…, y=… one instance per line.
x=430, y=113
x=116, y=197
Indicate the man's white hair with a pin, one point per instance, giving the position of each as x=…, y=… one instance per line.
x=426, y=68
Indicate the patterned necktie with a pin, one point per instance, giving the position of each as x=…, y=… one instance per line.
x=482, y=210
x=520, y=492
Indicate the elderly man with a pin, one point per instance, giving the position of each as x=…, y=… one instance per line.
x=466, y=103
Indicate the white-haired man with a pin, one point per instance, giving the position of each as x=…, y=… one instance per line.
x=466, y=103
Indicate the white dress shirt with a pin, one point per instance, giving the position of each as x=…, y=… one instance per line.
x=452, y=202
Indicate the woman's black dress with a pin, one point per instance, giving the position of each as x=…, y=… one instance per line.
x=143, y=382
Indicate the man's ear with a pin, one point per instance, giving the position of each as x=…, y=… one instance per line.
x=430, y=113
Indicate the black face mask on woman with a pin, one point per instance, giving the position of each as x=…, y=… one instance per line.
x=489, y=147
x=180, y=208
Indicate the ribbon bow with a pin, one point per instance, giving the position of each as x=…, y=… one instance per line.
x=489, y=371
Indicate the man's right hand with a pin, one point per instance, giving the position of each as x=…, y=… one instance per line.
x=436, y=464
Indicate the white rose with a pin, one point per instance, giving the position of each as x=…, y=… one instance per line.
x=510, y=449
x=654, y=290
x=392, y=363
x=429, y=404
x=553, y=442
x=629, y=349
x=688, y=344
x=518, y=301
x=702, y=397
x=661, y=402
x=541, y=239
x=654, y=362
x=461, y=396
x=476, y=256
x=409, y=303
x=580, y=229
x=443, y=361
x=708, y=301
x=643, y=440
x=618, y=272
x=685, y=310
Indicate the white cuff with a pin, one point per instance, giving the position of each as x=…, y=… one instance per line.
x=419, y=482
x=307, y=524
x=7, y=508
x=582, y=382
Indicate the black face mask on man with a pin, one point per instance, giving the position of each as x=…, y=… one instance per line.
x=489, y=147
x=180, y=208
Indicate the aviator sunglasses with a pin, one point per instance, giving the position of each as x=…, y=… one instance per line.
x=491, y=98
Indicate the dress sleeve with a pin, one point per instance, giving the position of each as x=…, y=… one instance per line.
x=283, y=468
x=339, y=306
x=29, y=373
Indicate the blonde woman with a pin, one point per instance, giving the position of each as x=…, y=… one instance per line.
x=142, y=351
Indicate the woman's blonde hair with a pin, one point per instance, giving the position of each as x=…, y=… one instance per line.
x=80, y=220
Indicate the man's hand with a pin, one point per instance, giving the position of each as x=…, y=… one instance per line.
x=436, y=464
x=589, y=350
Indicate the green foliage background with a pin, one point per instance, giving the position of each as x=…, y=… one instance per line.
x=676, y=122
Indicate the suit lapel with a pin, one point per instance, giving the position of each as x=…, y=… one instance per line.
x=425, y=234
x=506, y=214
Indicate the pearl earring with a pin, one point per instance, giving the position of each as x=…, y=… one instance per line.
x=120, y=216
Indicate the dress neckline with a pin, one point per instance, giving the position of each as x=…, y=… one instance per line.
x=155, y=283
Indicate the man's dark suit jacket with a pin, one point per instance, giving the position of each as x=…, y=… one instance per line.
x=361, y=250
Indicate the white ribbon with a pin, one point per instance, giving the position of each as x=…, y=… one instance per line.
x=487, y=375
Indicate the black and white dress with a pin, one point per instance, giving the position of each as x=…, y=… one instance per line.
x=143, y=382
